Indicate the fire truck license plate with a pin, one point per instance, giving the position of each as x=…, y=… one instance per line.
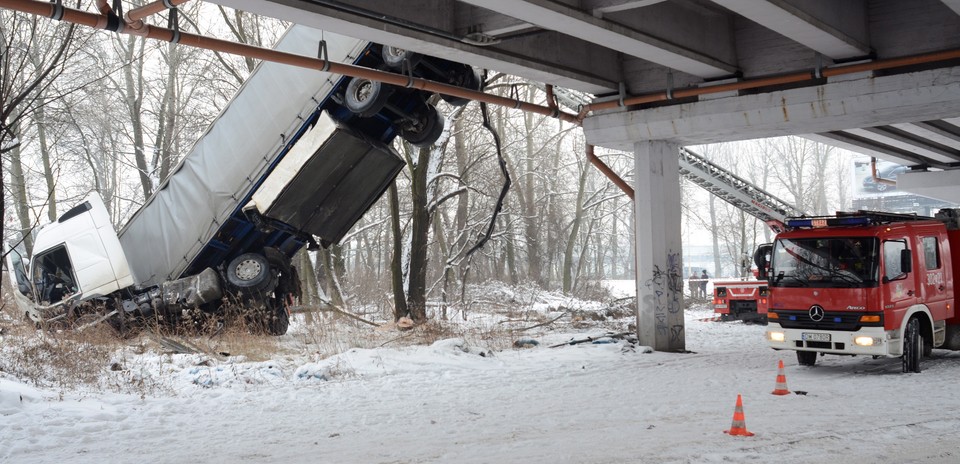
x=815, y=337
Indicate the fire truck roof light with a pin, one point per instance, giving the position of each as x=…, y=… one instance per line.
x=828, y=222
x=849, y=221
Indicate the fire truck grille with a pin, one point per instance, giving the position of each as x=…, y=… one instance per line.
x=832, y=320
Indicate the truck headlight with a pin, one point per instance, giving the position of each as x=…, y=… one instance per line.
x=776, y=337
x=867, y=341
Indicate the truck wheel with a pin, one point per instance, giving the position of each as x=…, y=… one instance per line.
x=912, y=346
x=269, y=317
x=249, y=271
x=466, y=78
x=426, y=131
x=393, y=57
x=365, y=97
x=276, y=320
x=807, y=358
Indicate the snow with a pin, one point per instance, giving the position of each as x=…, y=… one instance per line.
x=462, y=401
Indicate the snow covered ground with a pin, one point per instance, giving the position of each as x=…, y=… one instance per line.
x=456, y=401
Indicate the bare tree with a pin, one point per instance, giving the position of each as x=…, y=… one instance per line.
x=32, y=54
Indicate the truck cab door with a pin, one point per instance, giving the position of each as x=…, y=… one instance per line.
x=936, y=283
x=23, y=296
x=898, y=280
x=17, y=272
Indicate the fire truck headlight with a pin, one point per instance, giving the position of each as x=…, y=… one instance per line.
x=776, y=337
x=867, y=341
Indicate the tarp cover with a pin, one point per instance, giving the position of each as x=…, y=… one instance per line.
x=165, y=235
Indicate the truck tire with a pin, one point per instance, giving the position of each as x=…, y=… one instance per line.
x=807, y=358
x=365, y=97
x=394, y=57
x=466, y=78
x=276, y=318
x=912, y=346
x=428, y=129
x=249, y=272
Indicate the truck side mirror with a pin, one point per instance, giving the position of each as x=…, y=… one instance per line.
x=906, y=261
x=762, y=260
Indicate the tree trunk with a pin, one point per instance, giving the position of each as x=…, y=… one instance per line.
x=443, y=252
x=396, y=263
x=511, y=258
x=168, y=117
x=40, y=116
x=714, y=236
x=133, y=99
x=530, y=216
x=18, y=187
x=574, y=232
x=463, y=200
x=328, y=255
x=419, y=234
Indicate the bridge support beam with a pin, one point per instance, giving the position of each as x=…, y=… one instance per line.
x=659, y=268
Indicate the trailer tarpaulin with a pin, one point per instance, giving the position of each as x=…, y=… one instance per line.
x=217, y=176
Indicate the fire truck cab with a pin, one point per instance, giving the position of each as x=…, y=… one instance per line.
x=864, y=283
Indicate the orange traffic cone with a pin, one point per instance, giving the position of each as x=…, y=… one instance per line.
x=781, y=387
x=739, y=426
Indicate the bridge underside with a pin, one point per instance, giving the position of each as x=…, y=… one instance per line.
x=682, y=51
x=614, y=48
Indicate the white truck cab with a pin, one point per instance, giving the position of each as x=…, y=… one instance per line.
x=77, y=257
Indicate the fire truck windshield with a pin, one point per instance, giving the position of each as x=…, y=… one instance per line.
x=848, y=262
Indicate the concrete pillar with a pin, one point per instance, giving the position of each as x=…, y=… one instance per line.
x=659, y=268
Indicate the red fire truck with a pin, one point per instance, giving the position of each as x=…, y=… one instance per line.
x=744, y=300
x=865, y=283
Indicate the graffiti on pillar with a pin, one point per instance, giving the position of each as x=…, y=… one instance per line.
x=657, y=298
x=676, y=333
x=675, y=281
x=665, y=288
x=674, y=265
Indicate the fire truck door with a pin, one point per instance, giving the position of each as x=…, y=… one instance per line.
x=933, y=276
x=899, y=287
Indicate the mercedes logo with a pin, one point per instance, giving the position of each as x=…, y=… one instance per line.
x=816, y=313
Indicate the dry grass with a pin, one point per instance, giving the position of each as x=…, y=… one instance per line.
x=99, y=359
x=61, y=359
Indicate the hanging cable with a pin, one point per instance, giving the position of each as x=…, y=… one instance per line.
x=506, y=178
x=173, y=23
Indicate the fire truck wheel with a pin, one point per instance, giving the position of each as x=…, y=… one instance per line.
x=807, y=358
x=912, y=346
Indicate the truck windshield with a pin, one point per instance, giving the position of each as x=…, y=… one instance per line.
x=849, y=262
x=53, y=275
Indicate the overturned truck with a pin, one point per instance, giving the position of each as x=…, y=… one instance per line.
x=294, y=160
